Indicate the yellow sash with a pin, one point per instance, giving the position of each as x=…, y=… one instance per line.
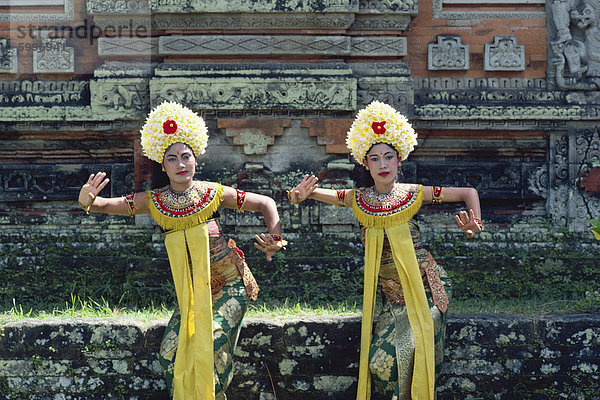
x=194, y=362
x=419, y=316
x=189, y=255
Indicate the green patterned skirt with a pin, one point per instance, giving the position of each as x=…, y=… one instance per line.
x=392, y=347
x=229, y=306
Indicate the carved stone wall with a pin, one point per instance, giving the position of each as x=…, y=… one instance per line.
x=481, y=103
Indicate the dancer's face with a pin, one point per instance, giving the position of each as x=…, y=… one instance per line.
x=180, y=165
x=382, y=162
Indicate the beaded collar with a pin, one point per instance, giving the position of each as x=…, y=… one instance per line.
x=373, y=208
x=180, y=210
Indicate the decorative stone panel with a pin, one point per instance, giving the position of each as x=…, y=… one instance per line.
x=253, y=6
x=384, y=14
x=504, y=55
x=253, y=135
x=8, y=58
x=29, y=11
x=54, y=57
x=254, y=45
x=573, y=156
x=573, y=45
x=122, y=98
x=456, y=112
x=255, y=87
x=44, y=93
x=38, y=182
x=238, y=21
x=372, y=46
x=143, y=47
x=395, y=91
x=449, y=53
x=474, y=13
x=118, y=7
x=493, y=180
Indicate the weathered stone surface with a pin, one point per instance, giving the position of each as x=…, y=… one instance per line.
x=488, y=356
x=254, y=44
x=256, y=93
x=254, y=6
x=30, y=182
x=237, y=21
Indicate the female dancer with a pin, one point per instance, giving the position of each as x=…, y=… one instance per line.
x=406, y=348
x=212, y=280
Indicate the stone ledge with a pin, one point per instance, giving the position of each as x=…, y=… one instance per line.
x=488, y=356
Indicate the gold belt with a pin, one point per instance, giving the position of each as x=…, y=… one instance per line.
x=392, y=288
x=229, y=268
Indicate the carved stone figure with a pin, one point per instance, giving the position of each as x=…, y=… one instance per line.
x=576, y=46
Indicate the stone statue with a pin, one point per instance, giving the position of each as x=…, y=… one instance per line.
x=577, y=60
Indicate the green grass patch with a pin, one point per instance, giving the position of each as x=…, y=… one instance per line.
x=80, y=308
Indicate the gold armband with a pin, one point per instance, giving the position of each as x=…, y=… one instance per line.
x=436, y=195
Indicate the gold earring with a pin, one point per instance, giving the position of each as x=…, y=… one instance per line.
x=163, y=169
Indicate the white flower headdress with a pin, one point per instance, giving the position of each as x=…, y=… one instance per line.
x=170, y=123
x=380, y=123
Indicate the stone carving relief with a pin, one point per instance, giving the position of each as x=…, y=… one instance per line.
x=54, y=57
x=455, y=112
x=573, y=158
x=143, y=47
x=117, y=7
x=384, y=14
x=253, y=44
x=30, y=93
x=396, y=91
x=491, y=179
x=123, y=97
x=8, y=58
x=449, y=53
x=473, y=13
x=504, y=55
x=257, y=93
x=30, y=12
x=574, y=36
x=537, y=181
x=254, y=21
x=378, y=46
x=20, y=182
x=253, y=6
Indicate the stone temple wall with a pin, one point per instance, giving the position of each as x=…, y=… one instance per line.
x=487, y=357
x=504, y=98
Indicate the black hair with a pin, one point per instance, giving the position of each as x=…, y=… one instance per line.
x=361, y=176
x=159, y=177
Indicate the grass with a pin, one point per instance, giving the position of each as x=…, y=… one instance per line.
x=82, y=308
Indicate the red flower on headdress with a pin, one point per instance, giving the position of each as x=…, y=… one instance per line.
x=169, y=126
x=378, y=127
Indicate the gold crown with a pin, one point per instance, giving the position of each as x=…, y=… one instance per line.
x=170, y=123
x=380, y=123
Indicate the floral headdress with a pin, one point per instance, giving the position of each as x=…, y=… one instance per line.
x=170, y=123
x=380, y=123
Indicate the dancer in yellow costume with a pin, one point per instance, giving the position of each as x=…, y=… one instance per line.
x=212, y=280
x=402, y=354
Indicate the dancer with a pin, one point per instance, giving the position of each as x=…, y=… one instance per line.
x=212, y=280
x=405, y=351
